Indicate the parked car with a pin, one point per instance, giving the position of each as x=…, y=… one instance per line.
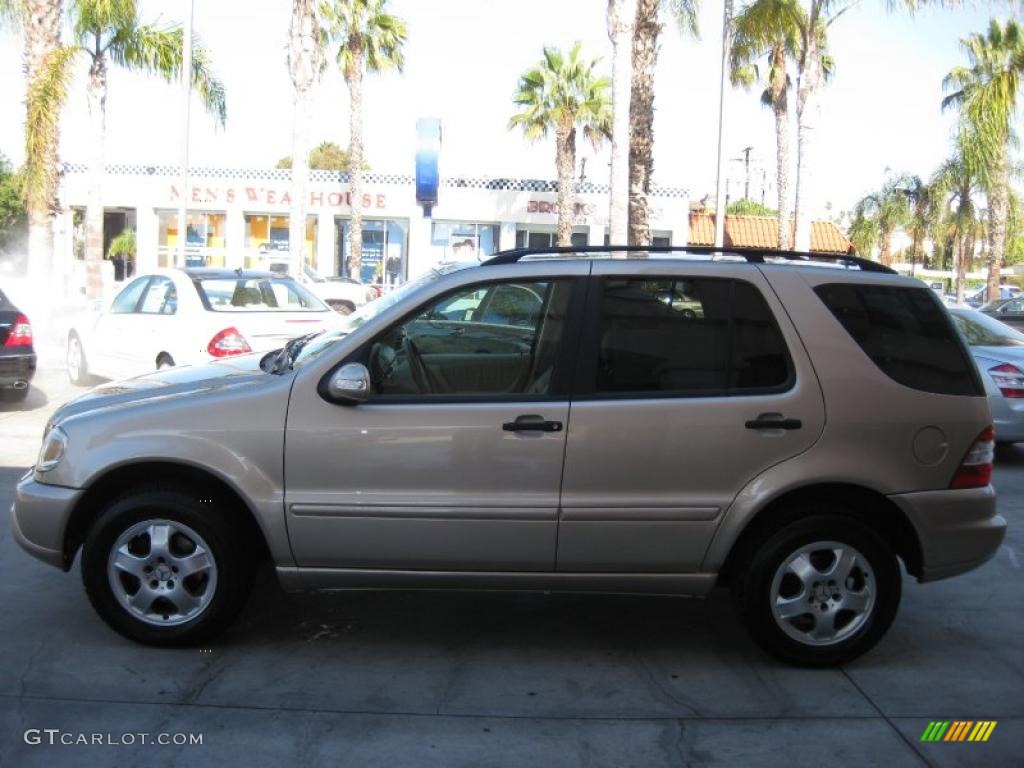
x=342, y=294
x=17, y=354
x=189, y=316
x=979, y=297
x=998, y=351
x=1009, y=311
x=793, y=430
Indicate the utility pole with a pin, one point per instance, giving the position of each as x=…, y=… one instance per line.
x=720, y=202
x=746, y=170
x=186, y=87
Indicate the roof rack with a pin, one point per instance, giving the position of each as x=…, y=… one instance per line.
x=752, y=255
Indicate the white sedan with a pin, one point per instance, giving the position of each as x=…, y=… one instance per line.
x=188, y=316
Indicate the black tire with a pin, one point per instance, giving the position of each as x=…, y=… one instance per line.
x=232, y=548
x=752, y=589
x=164, y=360
x=81, y=377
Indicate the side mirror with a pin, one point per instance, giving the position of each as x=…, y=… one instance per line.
x=350, y=384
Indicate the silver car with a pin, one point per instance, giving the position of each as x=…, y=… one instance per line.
x=792, y=427
x=998, y=351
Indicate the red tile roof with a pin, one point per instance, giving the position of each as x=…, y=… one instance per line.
x=762, y=232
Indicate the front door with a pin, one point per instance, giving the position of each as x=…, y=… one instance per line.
x=691, y=382
x=455, y=462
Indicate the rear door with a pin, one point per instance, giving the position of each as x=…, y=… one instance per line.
x=691, y=382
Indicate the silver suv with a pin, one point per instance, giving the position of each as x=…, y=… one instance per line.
x=788, y=425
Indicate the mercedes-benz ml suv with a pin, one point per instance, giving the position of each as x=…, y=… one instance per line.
x=791, y=426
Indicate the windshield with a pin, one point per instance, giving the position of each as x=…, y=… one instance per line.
x=313, y=275
x=983, y=331
x=364, y=314
x=256, y=294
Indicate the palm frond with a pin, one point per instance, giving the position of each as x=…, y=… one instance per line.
x=44, y=99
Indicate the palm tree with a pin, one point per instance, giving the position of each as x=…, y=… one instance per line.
x=563, y=93
x=770, y=28
x=305, y=63
x=955, y=187
x=641, y=105
x=621, y=18
x=47, y=75
x=105, y=32
x=923, y=215
x=986, y=92
x=877, y=216
x=369, y=39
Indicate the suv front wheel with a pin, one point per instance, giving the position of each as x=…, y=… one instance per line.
x=165, y=567
x=820, y=591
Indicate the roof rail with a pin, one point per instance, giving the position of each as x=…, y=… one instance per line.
x=752, y=255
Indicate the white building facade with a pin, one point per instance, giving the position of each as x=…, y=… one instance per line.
x=239, y=218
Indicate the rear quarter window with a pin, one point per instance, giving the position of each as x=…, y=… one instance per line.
x=907, y=333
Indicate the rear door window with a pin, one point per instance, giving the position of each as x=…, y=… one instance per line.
x=907, y=333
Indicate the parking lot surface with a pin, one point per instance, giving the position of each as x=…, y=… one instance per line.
x=397, y=679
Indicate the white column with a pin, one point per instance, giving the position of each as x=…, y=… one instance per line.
x=595, y=234
x=507, y=236
x=326, y=243
x=147, y=239
x=419, y=257
x=234, y=238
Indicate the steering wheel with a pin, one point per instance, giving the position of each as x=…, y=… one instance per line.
x=416, y=366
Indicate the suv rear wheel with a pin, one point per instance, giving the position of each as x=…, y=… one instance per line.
x=820, y=591
x=164, y=567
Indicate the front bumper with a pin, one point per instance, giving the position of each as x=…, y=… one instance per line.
x=958, y=529
x=15, y=368
x=39, y=518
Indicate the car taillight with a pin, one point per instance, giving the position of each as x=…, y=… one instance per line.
x=975, y=471
x=21, y=333
x=228, y=342
x=1009, y=379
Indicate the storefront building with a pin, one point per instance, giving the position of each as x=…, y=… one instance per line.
x=240, y=218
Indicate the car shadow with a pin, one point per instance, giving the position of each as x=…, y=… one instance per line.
x=36, y=398
x=1010, y=454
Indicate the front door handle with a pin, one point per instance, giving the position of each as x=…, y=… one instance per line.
x=532, y=423
x=773, y=421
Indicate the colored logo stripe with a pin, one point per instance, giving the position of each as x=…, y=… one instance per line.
x=958, y=730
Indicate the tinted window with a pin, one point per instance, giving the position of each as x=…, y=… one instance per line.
x=907, y=333
x=127, y=299
x=161, y=298
x=498, y=339
x=688, y=336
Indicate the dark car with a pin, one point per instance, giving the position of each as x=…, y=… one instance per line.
x=1009, y=311
x=17, y=355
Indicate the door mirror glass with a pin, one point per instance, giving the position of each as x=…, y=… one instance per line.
x=350, y=384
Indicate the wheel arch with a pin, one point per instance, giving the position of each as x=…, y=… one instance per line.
x=124, y=477
x=857, y=501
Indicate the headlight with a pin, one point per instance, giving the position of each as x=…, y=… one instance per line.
x=52, y=450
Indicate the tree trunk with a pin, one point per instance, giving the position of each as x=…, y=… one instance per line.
x=96, y=90
x=354, y=78
x=41, y=25
x=780, y=106
x=621, y=20
x=961, y=266
x=641, y=120
x=885, y=256
x=808, y=83
x=565, y=162
x=305, y=57
x=999, y=209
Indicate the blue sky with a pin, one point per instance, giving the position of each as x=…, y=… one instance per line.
x=463, y=58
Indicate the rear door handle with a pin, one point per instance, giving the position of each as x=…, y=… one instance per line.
x=766, y=421
x=532, y=423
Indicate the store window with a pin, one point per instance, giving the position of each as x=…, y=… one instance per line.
x=266, y=239
x=544, y=238
x=463, y=240
x=658, y=239
x=384, y=256
x=204, y=239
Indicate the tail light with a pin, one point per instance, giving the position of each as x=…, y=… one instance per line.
x=975, y=471
x=228, y=342
x=20, y=334
x=1009, y=379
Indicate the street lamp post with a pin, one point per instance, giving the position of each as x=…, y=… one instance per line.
x=186, y=87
